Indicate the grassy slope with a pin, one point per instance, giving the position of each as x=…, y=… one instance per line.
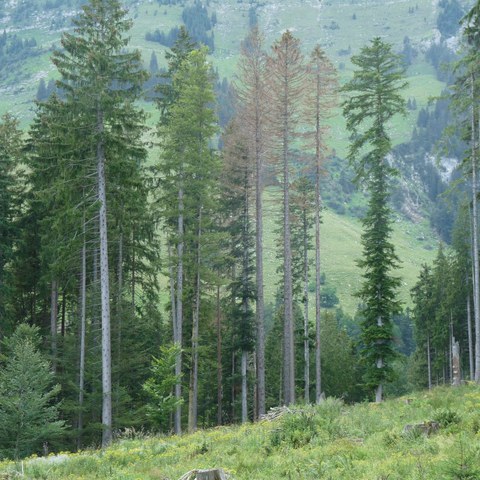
x=308, y=19
x=332, y=441
x=415, y=244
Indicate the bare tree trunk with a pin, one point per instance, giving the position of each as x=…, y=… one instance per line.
x=260, y=309
x=119, y=317
x=233, y=385
x=306, y=339
x=476, y=279
x=450, y=363
x=219, y=362
x=63, y=318
x=244, y=387
x=179, y=316
x=134, y=278
x=429, y=363
x=193, y=407
x=105, y=291
x=380, y=364
x=289, y=351
x=470, y=337
x=83, y=321
x=53, y=323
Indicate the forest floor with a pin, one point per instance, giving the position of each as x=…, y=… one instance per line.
x=427, y=435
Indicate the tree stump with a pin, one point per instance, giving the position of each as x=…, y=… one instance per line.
x=457, y=376
x=212, y=474
x=216, y=474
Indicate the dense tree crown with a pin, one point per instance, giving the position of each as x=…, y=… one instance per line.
x=375, y=98
x=171, y=278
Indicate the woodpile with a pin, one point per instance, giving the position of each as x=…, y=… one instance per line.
x=275, y=413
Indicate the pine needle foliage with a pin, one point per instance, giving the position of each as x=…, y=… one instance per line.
x=375, y=99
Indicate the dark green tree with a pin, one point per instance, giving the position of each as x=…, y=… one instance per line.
x=28, y=399
x=374, y=99
x=102, y=81
x=10, y=154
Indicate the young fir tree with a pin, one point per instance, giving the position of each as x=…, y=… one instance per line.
x=374, y=99
x=101, y=82
x=28, y=399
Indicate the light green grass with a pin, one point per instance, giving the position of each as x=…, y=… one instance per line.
x=340, y=249
x=332, y=441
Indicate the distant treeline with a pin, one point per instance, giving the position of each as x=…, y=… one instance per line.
x=198, y=23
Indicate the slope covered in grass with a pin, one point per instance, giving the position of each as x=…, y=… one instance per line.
x=331, y=441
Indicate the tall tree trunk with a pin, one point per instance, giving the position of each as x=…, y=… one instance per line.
x=260, y=309
x=450, y=357
x=63, y=318
x=379, y=390
x=53, y=323
x=476, y=279
x=470, y=337
x=318, y=207
x=83, y=321
x=429, y=362
x=306, y=340
x=193, y=407
x=179, y=317
x=289, y=351
x=134, y=273
x=105, y=290
x=244, y=386
x=119, y=311
x=219, y=362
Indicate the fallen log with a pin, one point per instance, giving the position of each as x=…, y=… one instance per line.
x=212, y=474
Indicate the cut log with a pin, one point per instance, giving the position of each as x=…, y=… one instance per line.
x=212, y=474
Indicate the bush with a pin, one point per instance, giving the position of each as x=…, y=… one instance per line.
x=446, y=417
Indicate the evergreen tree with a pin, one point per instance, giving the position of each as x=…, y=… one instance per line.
x=101, y=81
x=238, y=181
x=10, y=155
x=28, y=409
x=173, y=191
x=375, y=99
x=189, y=170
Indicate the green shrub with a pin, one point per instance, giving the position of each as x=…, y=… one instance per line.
x=446, y=417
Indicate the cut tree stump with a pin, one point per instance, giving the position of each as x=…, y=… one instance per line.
x=213, y=474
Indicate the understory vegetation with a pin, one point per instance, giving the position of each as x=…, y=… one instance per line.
x=329, y=441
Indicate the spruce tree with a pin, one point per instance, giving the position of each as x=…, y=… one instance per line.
x=10, y=154
x=189, y=172
x=101, y=81
x=28, y=399
x=374, y=99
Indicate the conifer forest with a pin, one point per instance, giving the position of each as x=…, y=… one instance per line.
x=209, y=210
